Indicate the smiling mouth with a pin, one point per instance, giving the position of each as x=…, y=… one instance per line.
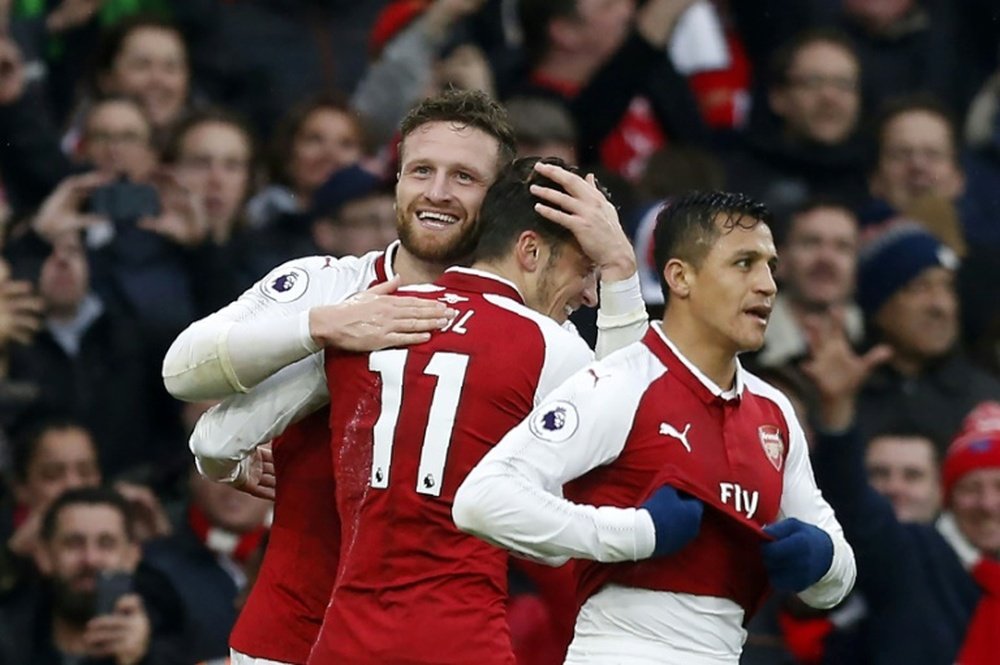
x=437, y=220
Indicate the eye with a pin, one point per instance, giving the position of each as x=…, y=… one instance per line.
x=464, y=177
x=743, y=263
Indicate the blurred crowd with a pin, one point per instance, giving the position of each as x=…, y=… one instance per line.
x=157, y=157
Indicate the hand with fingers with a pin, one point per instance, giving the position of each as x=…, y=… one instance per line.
x=21, y=312
x=182, y=219
x=62, y=212
x=151, y=519
x=123, y=635
x=256, y=476
x=375, y=319
x=584, y=210
x=836, y=369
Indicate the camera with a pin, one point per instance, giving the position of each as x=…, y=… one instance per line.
x=124, y=202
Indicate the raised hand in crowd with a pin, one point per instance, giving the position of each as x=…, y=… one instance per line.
x=445, y=13
x=71, y=14
x=182, y=219
x=656, y=19
x=150, y=518
x=12, y=79
x=836, y=369
x=64, y=210
x=123, y=635
x=20, y=310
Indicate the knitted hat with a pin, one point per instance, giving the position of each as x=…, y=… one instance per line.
x=893, y=259
x=348, y=184
x=969, y=452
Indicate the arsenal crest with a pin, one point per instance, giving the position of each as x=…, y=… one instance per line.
x=773, y=445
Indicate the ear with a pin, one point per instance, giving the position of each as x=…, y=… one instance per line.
x=41, y=556
x=562, y=33
x=130, y=560
x=528, y=251
x=678, y=276
x=777, y=99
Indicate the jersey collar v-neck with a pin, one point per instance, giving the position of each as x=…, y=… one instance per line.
x=670, y=355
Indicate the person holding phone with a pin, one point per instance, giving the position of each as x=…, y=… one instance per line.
x=98, y=605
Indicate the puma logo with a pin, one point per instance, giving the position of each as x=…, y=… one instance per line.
x=667, y=429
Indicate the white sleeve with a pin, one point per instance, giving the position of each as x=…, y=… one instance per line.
x=622, y=318
x=513, y=497
x=801, y=499
x=228, y=432
x=265, y=329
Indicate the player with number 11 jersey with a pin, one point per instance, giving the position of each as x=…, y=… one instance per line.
x=407, y=427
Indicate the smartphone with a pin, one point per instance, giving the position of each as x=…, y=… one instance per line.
x=124, y=202
x=111, y=585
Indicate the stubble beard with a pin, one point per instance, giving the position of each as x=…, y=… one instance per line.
x=453, y=250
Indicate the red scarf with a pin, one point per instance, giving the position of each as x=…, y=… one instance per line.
x=238, y=546
x=980, y=646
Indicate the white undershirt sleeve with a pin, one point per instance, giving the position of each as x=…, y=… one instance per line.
x=513, y=497
x=622, y=318
x=228, y=432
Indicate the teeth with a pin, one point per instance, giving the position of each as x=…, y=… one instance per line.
x=437, y=217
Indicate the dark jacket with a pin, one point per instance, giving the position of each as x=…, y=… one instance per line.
x=935, y=402
x=207, y=591
x=26, y=618
x=920, y=597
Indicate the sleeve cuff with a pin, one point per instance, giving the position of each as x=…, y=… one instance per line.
x=621, y=303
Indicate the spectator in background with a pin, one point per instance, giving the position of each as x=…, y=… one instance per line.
x=917, y=168
x=803, y=143
x=905, y=467
x=354, y=212
x=117, y=139
x=906, y=288
x=407, y=46
x=146, y=59
x=89, y=360
x=314, y=141
x=49, y=457
x=204, y=560
x=86, y=533
x=818, y=250
x=607, y=62
x=930, y=587
x=542, y=128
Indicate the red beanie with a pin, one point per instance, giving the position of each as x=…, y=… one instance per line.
x=392, y=20
x=984, y=418
x=969, y=452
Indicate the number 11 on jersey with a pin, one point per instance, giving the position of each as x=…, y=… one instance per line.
x=449, y=368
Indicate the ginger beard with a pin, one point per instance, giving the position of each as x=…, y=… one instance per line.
x=429, y=238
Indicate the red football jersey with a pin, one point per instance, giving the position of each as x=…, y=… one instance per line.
x=284, y=610
x=407, y=426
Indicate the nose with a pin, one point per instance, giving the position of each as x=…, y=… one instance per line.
x=766, y=283
x=438, y=189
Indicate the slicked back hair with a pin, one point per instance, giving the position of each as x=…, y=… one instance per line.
x=688, y=226
x=467, y=108
x=509, y=209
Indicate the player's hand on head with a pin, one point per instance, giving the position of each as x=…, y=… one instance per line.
x=375, y=319
x=798, y=557
x=590, y=216
x=676, y=519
